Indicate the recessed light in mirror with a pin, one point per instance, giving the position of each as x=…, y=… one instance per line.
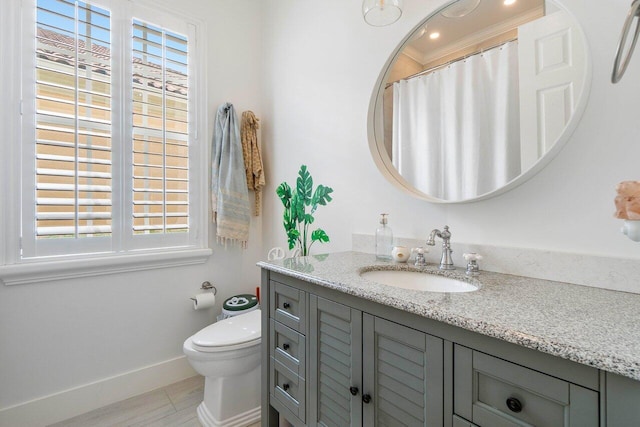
x=509, y=2
x=434, y=35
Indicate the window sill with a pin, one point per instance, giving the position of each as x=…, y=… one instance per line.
x=36, y=272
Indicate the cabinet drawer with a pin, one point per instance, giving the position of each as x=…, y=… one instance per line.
x=287, y=388
x=492, y=392
x=288, y=306
x=288, y=347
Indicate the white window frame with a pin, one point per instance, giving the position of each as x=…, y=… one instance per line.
x=126, y=252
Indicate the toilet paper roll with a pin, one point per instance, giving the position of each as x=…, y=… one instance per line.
x=204, y=300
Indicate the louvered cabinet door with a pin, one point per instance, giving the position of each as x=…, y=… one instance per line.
x=403, y=375
x=335, y=347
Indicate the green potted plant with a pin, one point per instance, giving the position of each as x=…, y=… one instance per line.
x=296, y=220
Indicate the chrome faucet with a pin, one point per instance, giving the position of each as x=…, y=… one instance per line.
x=445, y=262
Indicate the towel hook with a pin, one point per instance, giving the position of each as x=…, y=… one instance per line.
x=620, y=65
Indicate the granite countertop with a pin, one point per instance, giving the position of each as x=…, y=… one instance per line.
x=592, y=326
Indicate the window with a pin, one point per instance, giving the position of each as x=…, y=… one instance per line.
x=160, y=131
x=110, y=155
x=73, y=122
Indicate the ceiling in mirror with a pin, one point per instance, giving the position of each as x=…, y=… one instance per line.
x=479, y=97
x=465, y=24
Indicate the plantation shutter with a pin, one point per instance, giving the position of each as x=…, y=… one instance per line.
x=160, y=130
x=73, y=125
x=110, y=155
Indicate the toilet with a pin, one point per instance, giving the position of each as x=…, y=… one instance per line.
x=227, y=354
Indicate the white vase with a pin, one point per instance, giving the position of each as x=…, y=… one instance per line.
x=400, y=253
x=631, y=228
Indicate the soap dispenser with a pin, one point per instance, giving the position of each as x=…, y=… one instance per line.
x=384, y=239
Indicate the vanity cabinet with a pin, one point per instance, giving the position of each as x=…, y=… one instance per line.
x=370, y=371
x=333, y=359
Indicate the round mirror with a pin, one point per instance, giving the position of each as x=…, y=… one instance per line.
x=479, y=97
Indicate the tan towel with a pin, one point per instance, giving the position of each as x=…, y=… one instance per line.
x=252, y=157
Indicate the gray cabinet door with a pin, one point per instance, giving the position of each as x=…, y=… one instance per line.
x=403, y=374
x=622, y=401
x=335, y=360
x=461, y=422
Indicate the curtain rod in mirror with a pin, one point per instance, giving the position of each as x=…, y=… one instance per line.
x=453, y=61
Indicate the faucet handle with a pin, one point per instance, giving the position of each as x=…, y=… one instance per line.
x=420, y=251
x=472, y=263
x=472, y=256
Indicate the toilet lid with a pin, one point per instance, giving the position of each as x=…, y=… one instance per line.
x=242, y=329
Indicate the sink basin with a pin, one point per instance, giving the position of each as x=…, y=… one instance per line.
x=418, y=281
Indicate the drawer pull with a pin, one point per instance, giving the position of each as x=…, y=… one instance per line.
x=353, y=390
x=366, y=398
x=285, y=386
x=286, y=305
x=514, y=404
x=285, y=346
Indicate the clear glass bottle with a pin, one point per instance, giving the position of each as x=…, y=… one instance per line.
x=384, y=239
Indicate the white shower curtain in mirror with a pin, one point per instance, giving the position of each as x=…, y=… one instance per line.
x=456, y=131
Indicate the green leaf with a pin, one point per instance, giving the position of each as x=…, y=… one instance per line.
x=308, y=219
x=292, y=236
x=304, y=185
x=321, y=197
x=284, y=193
x=297, y=206
x=319, y=235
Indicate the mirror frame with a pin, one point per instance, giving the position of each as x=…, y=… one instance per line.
x=375, y=130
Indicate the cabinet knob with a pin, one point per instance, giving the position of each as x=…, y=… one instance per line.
x=286, y=305
x=285, y=346
x=366, y=398
x=353, y=390
x=285, y=386
x=514, y=404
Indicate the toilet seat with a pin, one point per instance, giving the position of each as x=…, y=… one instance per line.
x=229, y=334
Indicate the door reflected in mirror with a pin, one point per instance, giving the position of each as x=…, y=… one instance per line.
x=478, y=98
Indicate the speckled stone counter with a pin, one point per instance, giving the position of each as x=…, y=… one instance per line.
x=592, y=326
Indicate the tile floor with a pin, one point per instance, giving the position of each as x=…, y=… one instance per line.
x=172, y=406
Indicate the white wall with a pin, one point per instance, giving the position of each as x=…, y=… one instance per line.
x=59, y=335
x=323, y=63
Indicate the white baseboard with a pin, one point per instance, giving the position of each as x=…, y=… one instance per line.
x=78, y=400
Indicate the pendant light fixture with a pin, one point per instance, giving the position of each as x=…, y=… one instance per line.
x=381, y=12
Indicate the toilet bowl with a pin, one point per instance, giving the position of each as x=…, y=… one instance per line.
x=227, y=354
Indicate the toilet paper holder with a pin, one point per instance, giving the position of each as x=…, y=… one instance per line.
x=207, y=286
